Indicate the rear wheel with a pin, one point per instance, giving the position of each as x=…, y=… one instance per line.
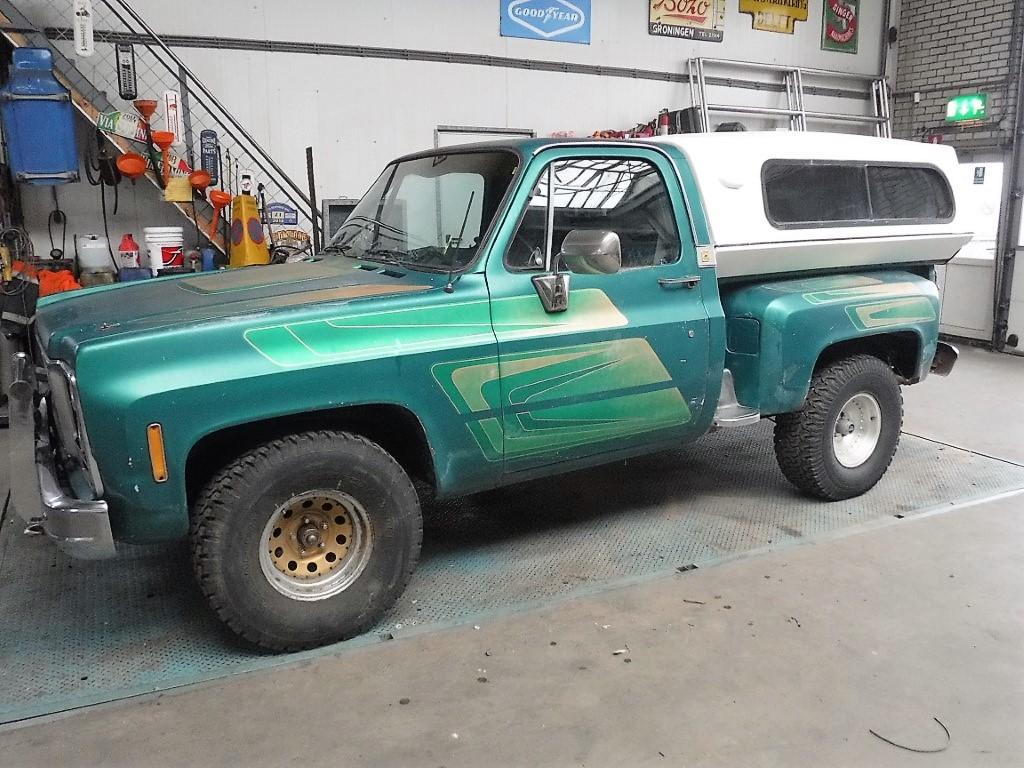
x=306, y=540
x=843, y=440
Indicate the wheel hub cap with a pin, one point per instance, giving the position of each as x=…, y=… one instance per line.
x=315, y=545
x=857, y=430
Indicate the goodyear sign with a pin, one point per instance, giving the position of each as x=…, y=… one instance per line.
x=556, y=20
x=775, y=15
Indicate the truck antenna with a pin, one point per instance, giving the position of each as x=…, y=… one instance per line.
x=450, y=287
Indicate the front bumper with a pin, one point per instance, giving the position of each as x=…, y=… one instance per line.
x=79, y=527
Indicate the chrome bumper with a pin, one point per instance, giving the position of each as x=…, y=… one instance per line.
x=79, y=527
x=945, y=358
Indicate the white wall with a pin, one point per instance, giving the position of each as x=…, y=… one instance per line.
x=358, y=113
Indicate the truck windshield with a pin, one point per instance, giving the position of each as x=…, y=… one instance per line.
x=430, y=213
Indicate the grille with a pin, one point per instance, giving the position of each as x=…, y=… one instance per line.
x=65, y=413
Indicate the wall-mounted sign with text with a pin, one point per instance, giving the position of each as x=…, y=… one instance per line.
x=700, y=20
x=558, y=20
x=282, y=214
x=775, y=15
x=839, y=25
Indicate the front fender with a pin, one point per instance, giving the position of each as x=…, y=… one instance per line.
x=777, y=331
x=199, y=379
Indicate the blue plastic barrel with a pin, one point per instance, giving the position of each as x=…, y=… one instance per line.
x=38, y=120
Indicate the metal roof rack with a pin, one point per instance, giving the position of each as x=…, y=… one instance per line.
x=792, y=84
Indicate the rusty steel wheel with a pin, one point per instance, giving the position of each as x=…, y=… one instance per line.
x=315, y=545
x=287, y=560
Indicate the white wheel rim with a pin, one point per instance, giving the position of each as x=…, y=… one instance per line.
x=321, y=569
x=857, y=430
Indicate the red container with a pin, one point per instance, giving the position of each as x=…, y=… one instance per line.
x=172, y=256
x=128, y=252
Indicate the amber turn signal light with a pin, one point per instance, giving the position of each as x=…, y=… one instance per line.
x=157, y=457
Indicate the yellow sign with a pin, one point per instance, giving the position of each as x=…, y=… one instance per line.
x=702, y=20
x=775, y=15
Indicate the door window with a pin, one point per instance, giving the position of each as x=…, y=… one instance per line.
x=626, y=196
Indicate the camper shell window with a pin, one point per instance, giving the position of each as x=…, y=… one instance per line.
x=800, y=194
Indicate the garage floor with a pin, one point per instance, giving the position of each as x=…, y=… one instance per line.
x=767, y=660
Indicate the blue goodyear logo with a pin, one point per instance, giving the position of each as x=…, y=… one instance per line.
x=557, y=20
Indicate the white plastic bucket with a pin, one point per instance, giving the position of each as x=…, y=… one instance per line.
x=164, y=247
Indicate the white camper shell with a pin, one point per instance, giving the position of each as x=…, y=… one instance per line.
x=781, y=202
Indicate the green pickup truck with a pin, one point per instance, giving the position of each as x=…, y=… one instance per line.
x=488, y=314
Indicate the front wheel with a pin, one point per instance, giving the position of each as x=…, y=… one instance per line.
x=843, y=440
x=306, y=540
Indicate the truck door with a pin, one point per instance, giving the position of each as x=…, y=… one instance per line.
x=625, y=365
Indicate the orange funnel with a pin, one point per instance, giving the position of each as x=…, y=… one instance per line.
x=146, y=108
x=164, y=139
x=220, y=200
x=132, y=165
x=199, y=180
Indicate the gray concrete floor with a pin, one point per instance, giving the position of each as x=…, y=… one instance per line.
x=980, y=406
x=780, y=659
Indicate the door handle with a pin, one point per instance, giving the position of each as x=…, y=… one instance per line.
x=690, y=281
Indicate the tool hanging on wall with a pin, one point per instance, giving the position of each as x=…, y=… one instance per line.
x=132, y=164
x=57, y=217
x=146, y=108
x=164, y=140
x=199, y=181
x=104, y=165
x=174, y=118
x=85, y=43
x=127, y=84
x=209, y=154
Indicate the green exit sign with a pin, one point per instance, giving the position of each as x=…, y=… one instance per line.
x=969, y=106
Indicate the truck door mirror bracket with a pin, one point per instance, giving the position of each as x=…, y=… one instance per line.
x=553, y=290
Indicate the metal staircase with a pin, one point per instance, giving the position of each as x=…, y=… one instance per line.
x=93, y=84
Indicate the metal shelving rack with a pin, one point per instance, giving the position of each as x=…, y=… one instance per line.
x=792, y=84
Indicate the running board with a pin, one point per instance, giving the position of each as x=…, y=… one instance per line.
x=730, y=413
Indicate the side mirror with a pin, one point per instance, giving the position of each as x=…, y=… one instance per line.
x=592, y=252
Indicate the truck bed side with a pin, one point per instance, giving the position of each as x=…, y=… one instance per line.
x=777, y=332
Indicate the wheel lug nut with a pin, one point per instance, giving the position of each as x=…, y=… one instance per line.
x=323, y=544
x=302, y=552
x=305, y=521
x=323, y=526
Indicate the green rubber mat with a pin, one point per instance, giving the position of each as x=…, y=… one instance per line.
x=74, y=633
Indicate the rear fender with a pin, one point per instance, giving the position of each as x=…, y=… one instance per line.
x=778, y=332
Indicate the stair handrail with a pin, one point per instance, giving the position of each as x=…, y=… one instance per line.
x=185, y=71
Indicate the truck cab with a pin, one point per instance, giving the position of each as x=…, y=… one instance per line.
x=487, y=314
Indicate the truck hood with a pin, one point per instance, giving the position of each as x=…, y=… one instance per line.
x=68, y=320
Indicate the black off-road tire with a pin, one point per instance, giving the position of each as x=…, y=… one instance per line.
x=232, y=511
x=803, y=440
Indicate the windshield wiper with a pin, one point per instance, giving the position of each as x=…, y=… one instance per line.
x=335, y=248
x=399, y=258
x=378, y=223
x=384, y=255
